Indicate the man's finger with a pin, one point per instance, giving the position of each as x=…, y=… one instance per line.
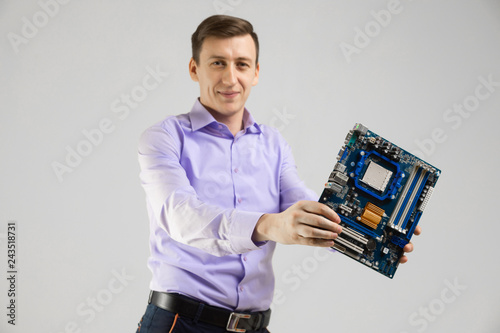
x=418, y=230
x=320, y=222
x=311, y=232
x=408, y=248
x=320, y=209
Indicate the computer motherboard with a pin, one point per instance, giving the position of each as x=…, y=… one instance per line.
x=380, y=191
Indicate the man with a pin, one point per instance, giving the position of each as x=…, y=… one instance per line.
x=221, y=191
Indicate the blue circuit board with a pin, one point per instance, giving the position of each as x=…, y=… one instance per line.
x=380, y=191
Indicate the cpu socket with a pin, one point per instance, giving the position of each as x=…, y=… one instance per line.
x=376, y=176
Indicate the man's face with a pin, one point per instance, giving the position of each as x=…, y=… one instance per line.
x=226, y=73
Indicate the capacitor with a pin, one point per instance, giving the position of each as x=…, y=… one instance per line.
x=371, y=245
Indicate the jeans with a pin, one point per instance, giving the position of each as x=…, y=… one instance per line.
x=157, y=320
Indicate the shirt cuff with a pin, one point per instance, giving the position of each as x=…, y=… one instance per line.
x=242, y=227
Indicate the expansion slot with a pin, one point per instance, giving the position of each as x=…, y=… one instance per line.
x=358, y=227
x=349, y=244
x=343, y=207
x=354, y=235
x=339, y=248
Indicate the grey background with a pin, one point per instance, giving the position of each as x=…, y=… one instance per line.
x=76, y=235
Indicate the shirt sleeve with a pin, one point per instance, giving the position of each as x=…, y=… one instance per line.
x=175, y=206
x=292, y=188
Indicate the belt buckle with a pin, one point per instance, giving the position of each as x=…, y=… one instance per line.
x=233, y=321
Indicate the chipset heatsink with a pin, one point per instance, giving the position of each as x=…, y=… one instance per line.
x=376, y=176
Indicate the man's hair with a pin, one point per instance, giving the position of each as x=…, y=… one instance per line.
x=222, y=26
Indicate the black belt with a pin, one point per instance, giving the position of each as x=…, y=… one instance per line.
x=231, y=321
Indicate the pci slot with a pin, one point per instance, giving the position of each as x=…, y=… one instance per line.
x=354, y=235
x=348, y=244
x=339, y=248
x=345, y=208
x=358, y=227
x=346, y=251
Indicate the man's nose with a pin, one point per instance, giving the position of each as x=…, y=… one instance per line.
x=229, y=76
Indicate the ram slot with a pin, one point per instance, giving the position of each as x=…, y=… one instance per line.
x=412, y=188
x=414, y=199
x=348, y=244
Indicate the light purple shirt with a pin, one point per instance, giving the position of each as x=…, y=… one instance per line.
x=205, y=190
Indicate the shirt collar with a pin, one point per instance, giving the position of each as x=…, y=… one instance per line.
x=200, y=117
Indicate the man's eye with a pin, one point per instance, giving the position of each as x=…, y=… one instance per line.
x=243, y=64
x=217, y=63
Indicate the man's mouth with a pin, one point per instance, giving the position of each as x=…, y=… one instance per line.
x=229, y=94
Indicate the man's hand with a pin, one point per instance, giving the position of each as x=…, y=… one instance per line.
x=409, y=247
x=305, y=222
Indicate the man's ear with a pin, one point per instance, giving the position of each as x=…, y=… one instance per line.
x=256, y=78
x=193, y=70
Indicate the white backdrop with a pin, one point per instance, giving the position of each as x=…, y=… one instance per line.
x=424, y=74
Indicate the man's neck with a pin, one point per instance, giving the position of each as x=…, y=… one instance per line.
x=233, y=122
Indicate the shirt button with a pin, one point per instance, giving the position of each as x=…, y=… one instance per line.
x=236, y=170
x=241, y=288
x=244, y=258
x=239, y=200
